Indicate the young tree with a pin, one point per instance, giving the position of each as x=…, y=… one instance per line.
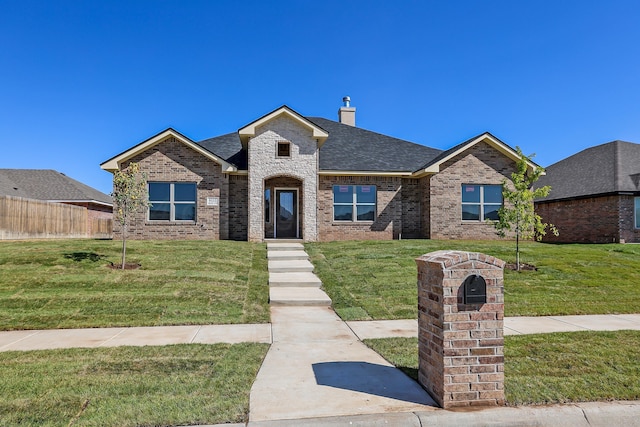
x=517, y=213
x=129, y=197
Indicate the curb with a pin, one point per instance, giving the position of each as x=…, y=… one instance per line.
x=587, y=414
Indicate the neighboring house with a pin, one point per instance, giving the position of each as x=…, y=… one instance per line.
x=287, y=176
x=595, y=195
x=52, y=186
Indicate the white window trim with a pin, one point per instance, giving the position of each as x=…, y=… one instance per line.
x=354, y=204
x=481, y=203
x=172, y=203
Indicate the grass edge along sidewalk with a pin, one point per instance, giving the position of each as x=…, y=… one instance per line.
x=376, y=280
x=52, y=284
x=551, y=368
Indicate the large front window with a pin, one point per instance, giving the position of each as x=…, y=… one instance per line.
x=354, y=202
x=481, y=202
x=637, y=211
x=172, y=201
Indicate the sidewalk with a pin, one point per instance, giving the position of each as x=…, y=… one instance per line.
x=211, y=334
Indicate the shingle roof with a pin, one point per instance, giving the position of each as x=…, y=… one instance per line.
x=47, y=184
x=347, y=148
x=228, y=147
x=608, y=168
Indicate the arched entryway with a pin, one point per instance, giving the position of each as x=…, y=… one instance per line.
x=283, y=211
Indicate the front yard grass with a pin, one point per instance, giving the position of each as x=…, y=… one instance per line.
x=551, y=368
x=48, y=284
x=129, y=386
x=377, y=279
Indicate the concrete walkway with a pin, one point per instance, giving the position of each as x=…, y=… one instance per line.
x=140, y=336
x=211, y=334
x=317, y=366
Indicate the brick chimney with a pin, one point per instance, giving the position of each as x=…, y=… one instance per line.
x=346, y=113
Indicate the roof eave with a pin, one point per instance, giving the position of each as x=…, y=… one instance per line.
x=500, y=146
x=95, y=202
x=363, y=173
x=113, y=164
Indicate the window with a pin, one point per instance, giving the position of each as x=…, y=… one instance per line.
x=637, y=211
x=172, y=201
x=267, y=205
x=481, y=202
x=354, y=202
x=284, y=149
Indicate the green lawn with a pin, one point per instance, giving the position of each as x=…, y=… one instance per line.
x=377, y=279
x=551, y=368
x=48, y=284
x=129, y=386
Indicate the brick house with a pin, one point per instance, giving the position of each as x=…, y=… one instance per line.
x=595, y=195
x=287, y=176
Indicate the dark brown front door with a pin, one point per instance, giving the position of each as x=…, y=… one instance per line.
x=286, y=214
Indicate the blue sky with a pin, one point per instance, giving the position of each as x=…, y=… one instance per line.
x=81, y=81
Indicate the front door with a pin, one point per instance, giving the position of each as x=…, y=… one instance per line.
x=286, y=214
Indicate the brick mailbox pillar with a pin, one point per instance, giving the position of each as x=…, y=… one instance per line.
x=460, y=323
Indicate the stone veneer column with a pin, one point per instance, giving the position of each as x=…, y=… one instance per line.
x=461, y=359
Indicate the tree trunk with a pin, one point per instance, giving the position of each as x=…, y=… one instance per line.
x=518, y=241
x=124, y=244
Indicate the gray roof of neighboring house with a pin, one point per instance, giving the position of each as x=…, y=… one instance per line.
x=47, y=184
x=347, y=148
x=604, y=169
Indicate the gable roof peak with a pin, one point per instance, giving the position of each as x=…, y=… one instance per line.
x=434, y=165
x=249, y=131
x=113, y=164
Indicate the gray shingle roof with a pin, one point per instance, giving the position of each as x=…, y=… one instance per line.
x=47, y=184
x=604, y=169
x=347, y=148
x=228, y=147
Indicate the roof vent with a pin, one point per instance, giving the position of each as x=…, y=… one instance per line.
x=347, y=114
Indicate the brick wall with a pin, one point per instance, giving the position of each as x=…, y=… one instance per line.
x=411, y=207
x=388, y=223
x=481, y=164
x=425, y=207
x=461, y=346
x=626, y=220
x=604, y=219
x=172, y=161
x=238, y=206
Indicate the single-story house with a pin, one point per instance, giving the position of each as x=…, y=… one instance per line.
x=595, y=195
x=288, y=176
x=53, y=186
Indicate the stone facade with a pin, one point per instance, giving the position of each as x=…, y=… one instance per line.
x=603, y=219
x=388, y=222
x=461, y=346
x=481, y=164
x=264, y=163
x=172, y=161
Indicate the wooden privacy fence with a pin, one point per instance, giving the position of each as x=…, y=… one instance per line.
x=22, y=218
